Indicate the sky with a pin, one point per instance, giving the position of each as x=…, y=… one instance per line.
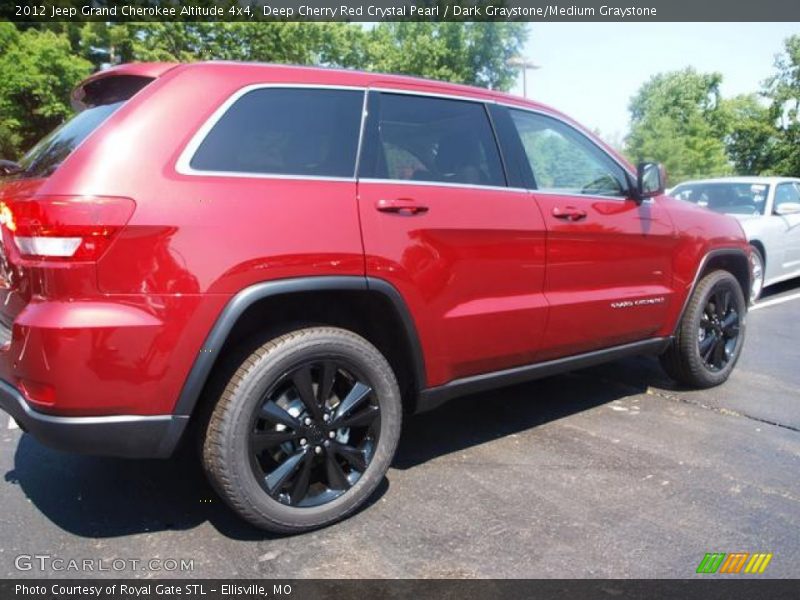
x=590, y=71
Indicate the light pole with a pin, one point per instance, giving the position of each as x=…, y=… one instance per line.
x=523, y=65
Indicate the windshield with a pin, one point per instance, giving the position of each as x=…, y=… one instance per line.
x=729, y=198
x=50, y=152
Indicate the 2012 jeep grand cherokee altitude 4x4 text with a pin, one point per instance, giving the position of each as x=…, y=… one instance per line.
x=287, y=259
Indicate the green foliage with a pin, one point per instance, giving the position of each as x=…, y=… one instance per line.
x=750, y=139
x=677, y=119
x=469, y=53
x=783, y=92
x=40, y=63
x=37, y=73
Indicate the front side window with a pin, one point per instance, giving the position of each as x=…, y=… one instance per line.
x=565, y=161
x=723, y=197
x=286, y=131
x=786, y=193
x=433, y=140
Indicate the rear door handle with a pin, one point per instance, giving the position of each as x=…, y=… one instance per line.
x=401, y=206
x=569, y=213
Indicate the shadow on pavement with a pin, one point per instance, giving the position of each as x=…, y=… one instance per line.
x=105, y=497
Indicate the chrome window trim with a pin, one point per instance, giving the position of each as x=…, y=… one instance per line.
x=446, y=96
x=448, y=184
x=183, y=164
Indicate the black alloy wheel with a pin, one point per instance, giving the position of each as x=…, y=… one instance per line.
x=718, y=334
x=314, y=433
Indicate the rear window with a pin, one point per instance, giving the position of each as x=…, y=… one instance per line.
x=284, y=131
x=100, y=99
x=50, y=152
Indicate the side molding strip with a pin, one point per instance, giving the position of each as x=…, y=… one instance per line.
x=433, y=397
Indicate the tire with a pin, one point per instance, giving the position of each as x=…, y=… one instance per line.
x=757, y=273
x=265, y=442
x=710, y=335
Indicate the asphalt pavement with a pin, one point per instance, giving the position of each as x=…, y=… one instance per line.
x=607, y=472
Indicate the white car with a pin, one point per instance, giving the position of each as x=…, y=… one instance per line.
x=769, y=211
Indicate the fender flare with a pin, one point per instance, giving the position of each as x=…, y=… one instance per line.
x=244, y=299
x=703, y=263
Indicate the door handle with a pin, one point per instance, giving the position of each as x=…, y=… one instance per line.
x=570, y=213
x=401, y=206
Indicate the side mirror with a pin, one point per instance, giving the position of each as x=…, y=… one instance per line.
x=651, y=180
x=8, y=167
x=787, y=208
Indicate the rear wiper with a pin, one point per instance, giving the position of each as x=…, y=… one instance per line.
x=9, y=167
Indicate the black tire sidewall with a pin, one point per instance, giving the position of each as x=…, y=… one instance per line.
x=290, y=351
x=703, y=376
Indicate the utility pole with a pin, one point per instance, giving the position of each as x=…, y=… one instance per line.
x=523, y=65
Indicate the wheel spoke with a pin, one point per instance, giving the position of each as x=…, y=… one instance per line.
x=261, y=440
x=337, y=480
x=275, y=414
x=326, y=380
x=722, y=303
x=362, y=418
x=731, y=320
x=302, y=383
x=357, y=395
x=353, y=456
x=719, y=352
x=707, y=345
x=300, y=487
x=277, y=478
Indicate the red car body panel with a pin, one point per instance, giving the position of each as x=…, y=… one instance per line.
x=491, y=279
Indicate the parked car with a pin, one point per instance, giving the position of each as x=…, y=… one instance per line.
x=285, y=260
x=769, y=211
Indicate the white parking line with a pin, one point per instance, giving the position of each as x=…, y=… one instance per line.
x=775, y=301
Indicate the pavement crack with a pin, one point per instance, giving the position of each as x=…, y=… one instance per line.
x=718, y=409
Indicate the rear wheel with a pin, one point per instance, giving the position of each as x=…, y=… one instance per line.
x=710, y=335
x=305, y=430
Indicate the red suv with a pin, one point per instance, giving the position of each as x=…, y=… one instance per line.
x=288, y=259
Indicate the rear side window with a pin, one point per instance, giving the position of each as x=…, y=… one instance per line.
x=284, y=131
x=50, y=152
x=425, y=139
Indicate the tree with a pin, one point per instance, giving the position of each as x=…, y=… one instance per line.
x=751, y=135
x=41, y=62
x=469, y=53
x=676, y=119
x=37, y=73
x=783, y=92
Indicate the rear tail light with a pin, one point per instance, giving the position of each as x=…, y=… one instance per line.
x=65, y=227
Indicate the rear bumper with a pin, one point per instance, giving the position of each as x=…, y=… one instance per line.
x=127, y=436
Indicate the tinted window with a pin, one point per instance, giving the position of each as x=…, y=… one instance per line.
x=286, y=132
x=730, y=198
x=565, y=161
x=51, y=151
x=433, y=139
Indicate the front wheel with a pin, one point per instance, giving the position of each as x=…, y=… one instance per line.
x=710, y=335
x=305, y=430
x=756, y=274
